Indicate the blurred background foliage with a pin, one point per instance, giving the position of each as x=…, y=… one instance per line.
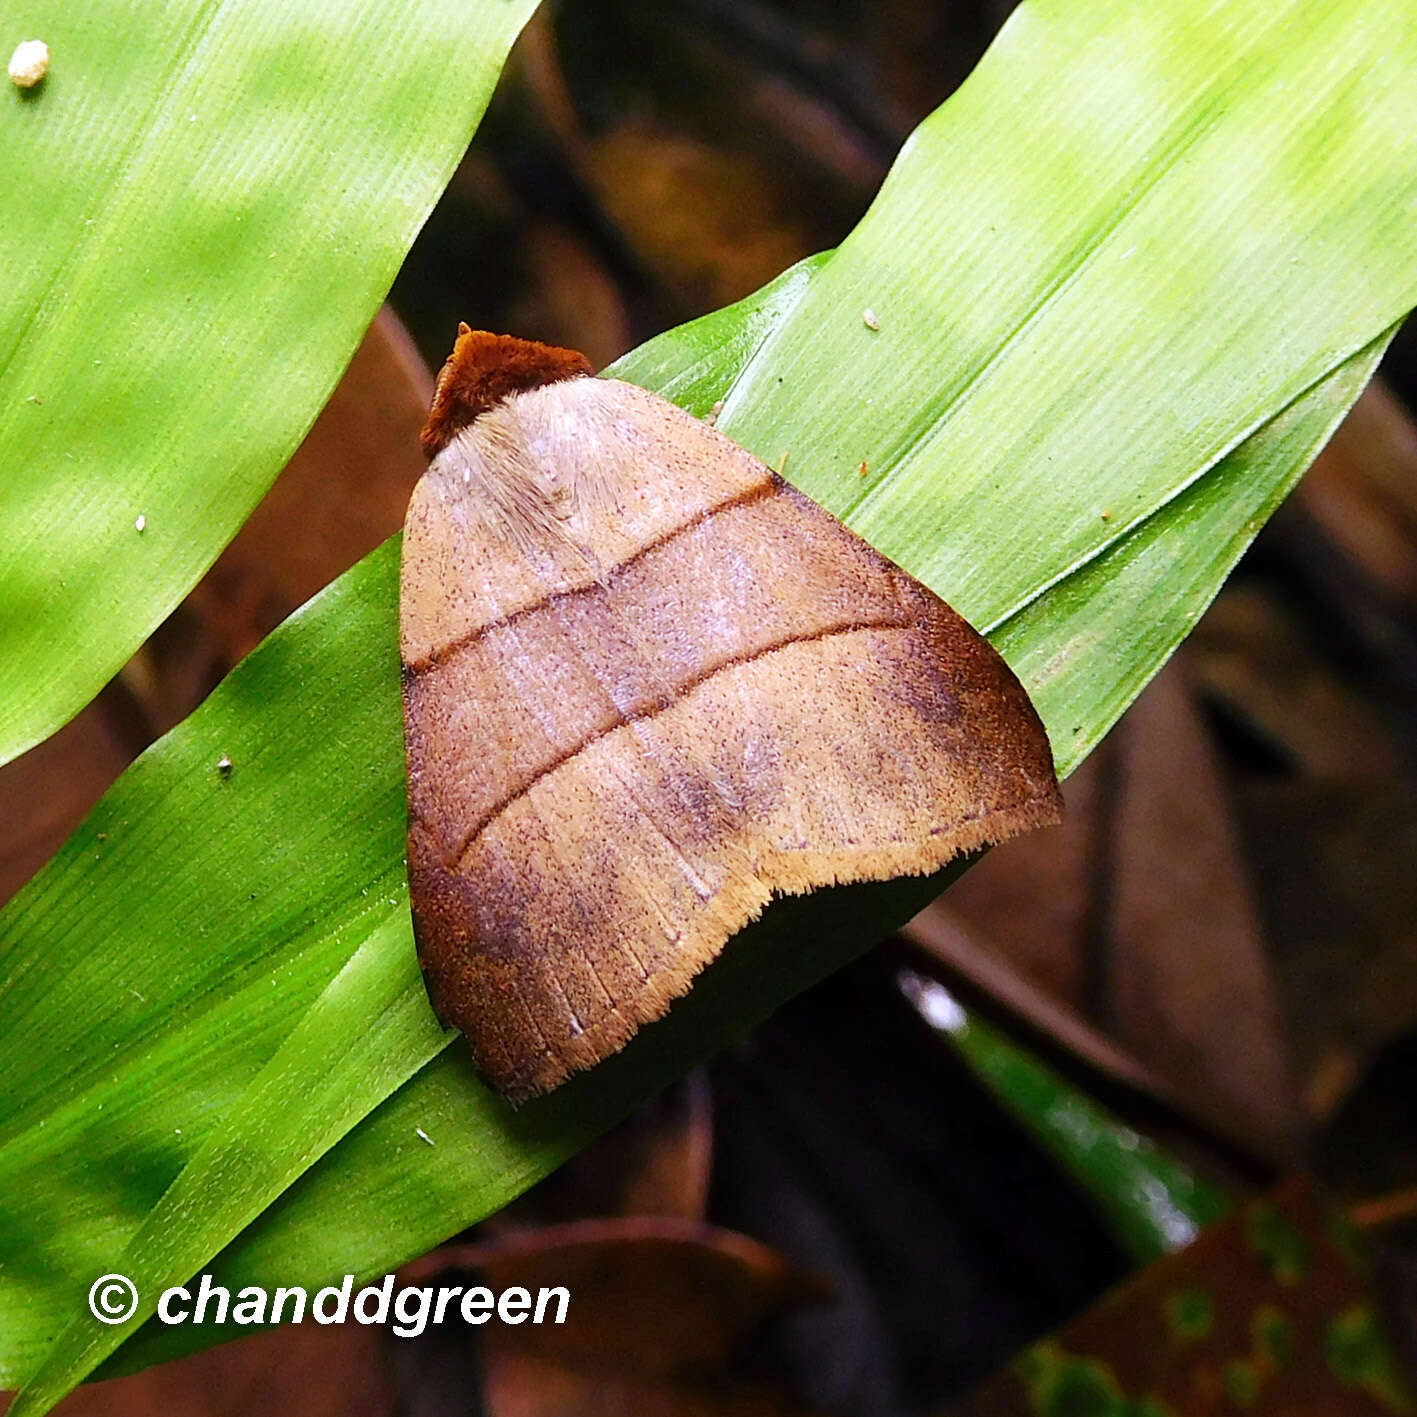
x=1101, y=1039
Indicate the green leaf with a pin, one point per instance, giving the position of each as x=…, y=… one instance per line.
x=319, y=1083
x=1139, y=265
x=1087, y=645
x=1152, y=1203
x=204, y=205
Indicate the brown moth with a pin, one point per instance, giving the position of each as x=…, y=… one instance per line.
x=647, y=686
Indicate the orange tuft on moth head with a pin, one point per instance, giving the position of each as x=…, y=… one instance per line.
x=484, y=369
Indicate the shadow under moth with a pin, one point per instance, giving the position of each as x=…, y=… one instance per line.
x=648, y=685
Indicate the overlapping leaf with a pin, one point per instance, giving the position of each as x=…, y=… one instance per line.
x=204, y=205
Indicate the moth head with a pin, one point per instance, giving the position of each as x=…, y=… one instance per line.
x=484, y=369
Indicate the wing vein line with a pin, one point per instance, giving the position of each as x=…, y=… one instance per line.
x=623, y=720
x=443, y=653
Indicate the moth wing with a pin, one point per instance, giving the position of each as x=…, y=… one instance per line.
x=626, y=735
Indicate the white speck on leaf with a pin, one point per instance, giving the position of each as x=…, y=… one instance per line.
x=29, y=63
x=424, y=1135
x=870, y=319
x=141, y=524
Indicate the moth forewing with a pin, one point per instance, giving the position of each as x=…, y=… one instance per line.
x=647, y=686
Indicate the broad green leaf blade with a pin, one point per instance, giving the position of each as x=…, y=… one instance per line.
x=204, y=205
x=1135, y=194
x=237, y=910
x=1089, y=643
x=364, y=1035
x=696, y=364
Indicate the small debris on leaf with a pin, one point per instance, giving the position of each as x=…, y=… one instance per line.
x=863, y=470
x=223, y=765
x=141, y=524
x=869, y=319
x=29, y=63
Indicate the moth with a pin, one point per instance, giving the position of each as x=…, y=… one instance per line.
x=647, y=686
